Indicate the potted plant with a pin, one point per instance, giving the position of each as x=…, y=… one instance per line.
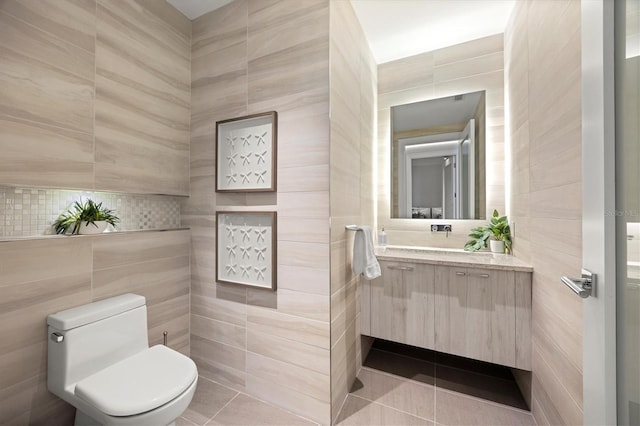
x=85, y=218
x=497, y=232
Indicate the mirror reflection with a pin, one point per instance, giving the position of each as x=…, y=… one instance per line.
x=437, y=156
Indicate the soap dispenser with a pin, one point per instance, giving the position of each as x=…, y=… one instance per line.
x=382, y=238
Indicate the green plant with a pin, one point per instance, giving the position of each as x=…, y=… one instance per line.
x=497, y=229
x=80, y=212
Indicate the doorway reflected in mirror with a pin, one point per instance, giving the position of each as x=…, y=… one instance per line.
x=438, y=154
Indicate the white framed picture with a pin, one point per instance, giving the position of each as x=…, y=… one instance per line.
x=246, y=248
x=246, y=149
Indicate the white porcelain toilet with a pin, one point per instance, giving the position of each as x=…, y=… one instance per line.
x=100, y=362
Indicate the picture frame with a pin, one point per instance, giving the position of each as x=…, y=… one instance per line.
x=246, y=151
x=246, y=248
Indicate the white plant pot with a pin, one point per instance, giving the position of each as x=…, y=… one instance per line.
x=97, y=227
x=496, y=246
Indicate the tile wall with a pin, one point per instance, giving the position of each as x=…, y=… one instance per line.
x=543, y=75
x=253, y=56
x=352, y=180
x=94, y=94
x=30, y=212
x=106, y=103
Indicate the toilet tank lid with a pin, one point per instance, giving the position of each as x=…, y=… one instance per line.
x=85, y=314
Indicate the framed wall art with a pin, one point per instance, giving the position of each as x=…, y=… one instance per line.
x=246, y=150
x=246, y=248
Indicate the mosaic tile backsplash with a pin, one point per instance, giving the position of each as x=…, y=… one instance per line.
x=30, y=212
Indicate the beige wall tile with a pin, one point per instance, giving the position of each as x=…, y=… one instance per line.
x=299, y=403
x=71, y=21
x=405, y=73
x=66, y=158
x=466, y=67
x=124, y=66
x=219, y=29
x=142, y=82
x=542, y=61
x=219, y=331
x=218, y=353
x=304, y=204
x=275, y=26
x=218, y=309
x=305, y=230
x=289, y=351
x=305, y=305
x=295, y=328
x=303, y=279
x=58, y=92
x=124, y=249
x=460, y=52
x=308, y=255
x=288, y=375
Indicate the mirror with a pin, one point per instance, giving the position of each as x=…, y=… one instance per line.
x=437, y=158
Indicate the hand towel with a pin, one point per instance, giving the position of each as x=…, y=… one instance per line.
x=364, y=258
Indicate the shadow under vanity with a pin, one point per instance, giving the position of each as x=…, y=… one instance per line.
x=474, y=305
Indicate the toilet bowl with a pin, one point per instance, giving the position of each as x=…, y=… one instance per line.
x=99, y=361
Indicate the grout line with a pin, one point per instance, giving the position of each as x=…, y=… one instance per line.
x=392, y=408
x=223, y=407
x=435, y=395
x=252, y=397
x=188, y=421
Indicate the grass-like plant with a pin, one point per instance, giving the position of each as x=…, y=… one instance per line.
x=497, y=229
x=88, y=211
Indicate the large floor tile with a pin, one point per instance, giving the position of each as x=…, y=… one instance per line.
x=210, y=397
x=181, y=421
x=453, y=408
x=244, y=410
x=358, y=411
x=480, y=385
x=404, y=395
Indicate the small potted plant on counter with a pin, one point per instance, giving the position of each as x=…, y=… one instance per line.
x=85, y=218
x=497, y=232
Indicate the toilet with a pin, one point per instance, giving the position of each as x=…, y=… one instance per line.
x=99, y=361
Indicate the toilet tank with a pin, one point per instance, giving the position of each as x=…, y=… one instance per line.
x=88, y=338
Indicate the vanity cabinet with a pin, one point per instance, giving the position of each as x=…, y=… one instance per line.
x=402, y=304
x=474, y=312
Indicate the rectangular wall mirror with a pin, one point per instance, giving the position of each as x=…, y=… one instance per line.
x=437, y=158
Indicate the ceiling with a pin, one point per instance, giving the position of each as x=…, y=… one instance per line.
x=400, y=28
x=436, y=112
x=193, y=9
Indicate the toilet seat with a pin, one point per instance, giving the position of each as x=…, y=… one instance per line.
x=138, y=384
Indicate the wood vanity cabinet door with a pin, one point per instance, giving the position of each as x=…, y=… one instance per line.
x=402, y=304
x=475, y=314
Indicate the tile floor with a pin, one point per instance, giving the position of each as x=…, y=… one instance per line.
x=398, y=385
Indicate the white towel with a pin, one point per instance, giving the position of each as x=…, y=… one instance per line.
x=364, y=257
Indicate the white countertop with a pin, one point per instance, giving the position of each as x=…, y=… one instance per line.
x=453, y=257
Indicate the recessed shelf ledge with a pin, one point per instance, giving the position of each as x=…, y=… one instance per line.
x=51, y=236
